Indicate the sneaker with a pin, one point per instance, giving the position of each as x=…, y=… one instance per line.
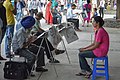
x=87, y=25
x=1, y=58
x=32, y=74
x=57, y=52
x=83, y=25
x=41, y=69
x=54, y=61
x=9, y=56
x=79, y=30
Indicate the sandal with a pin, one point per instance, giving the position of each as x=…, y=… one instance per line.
x=88, y=74
x=81, y=74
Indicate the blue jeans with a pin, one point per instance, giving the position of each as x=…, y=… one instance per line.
x=59, y=18
x=83, y=62
x=19, y=16
x=8, y=39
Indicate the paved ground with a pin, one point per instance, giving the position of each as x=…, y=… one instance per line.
x=66, y=70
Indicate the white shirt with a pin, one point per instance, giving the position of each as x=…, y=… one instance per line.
x=29, y=6
x=102, y=3
x=35, y=4
x=70, y=13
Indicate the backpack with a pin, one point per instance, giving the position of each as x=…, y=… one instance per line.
x=87, y=8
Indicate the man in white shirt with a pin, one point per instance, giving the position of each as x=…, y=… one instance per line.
x=101, y=6
x=70, y=17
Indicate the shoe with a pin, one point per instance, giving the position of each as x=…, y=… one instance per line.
x=87, y=25
x=54, y=61
x=41, y=69
x=88, y=74
x=80, y=74
x=9, y=56
x=82, y=25
x=78, y=30
x=57, y=52
x=32, y=74
x=1, y=58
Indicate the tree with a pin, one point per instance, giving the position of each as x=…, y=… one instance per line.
x=118, y=10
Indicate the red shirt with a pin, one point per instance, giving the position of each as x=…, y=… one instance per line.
x=102, y=37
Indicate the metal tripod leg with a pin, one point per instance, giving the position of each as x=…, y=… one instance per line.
x=66, y=51
x=51, y=57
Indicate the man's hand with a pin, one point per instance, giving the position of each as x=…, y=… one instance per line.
x=82, y=49
x=32, y=39
x=29, y=41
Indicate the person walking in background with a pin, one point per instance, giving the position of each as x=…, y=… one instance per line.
x=70, y=17
x=19, y=14
x=87, y=8
x=10, y=10
x=4, y=22
x=94, y=13
x=48, y=14
x=98, y=48
x=101, y=8
x=19, y=10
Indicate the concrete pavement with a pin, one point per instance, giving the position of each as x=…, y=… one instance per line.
x=66, y=71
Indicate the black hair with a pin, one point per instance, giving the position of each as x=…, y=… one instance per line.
x=99, y=20
x=95, y=9
x=73, y=5
x=88, y=1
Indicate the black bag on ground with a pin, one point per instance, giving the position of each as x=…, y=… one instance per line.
x=15, y=70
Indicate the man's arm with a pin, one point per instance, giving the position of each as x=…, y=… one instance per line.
x=90, y=47
x=29, y=41
x=94, y=46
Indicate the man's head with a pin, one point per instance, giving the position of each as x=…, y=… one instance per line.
x=39, y=15
x=27, y=22
x=95, y=9
x=73, y=6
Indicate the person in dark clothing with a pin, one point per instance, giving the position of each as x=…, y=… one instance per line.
x=3, y=18
x=22, y=45
x=71, y=17
x=48, y=48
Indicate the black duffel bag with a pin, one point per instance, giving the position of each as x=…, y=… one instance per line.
x=15, y=70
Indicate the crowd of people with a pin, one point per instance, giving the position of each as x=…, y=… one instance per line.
x=25, y=41
x=21, y=42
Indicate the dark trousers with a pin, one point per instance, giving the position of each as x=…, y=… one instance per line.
x=83, y=62
x=101, y=12
x=24, y=52
x=39, y=55
x=46, y=44
x=75, y=21
x=3, y=33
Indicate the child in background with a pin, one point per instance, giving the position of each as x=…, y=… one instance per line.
x=94, y=13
